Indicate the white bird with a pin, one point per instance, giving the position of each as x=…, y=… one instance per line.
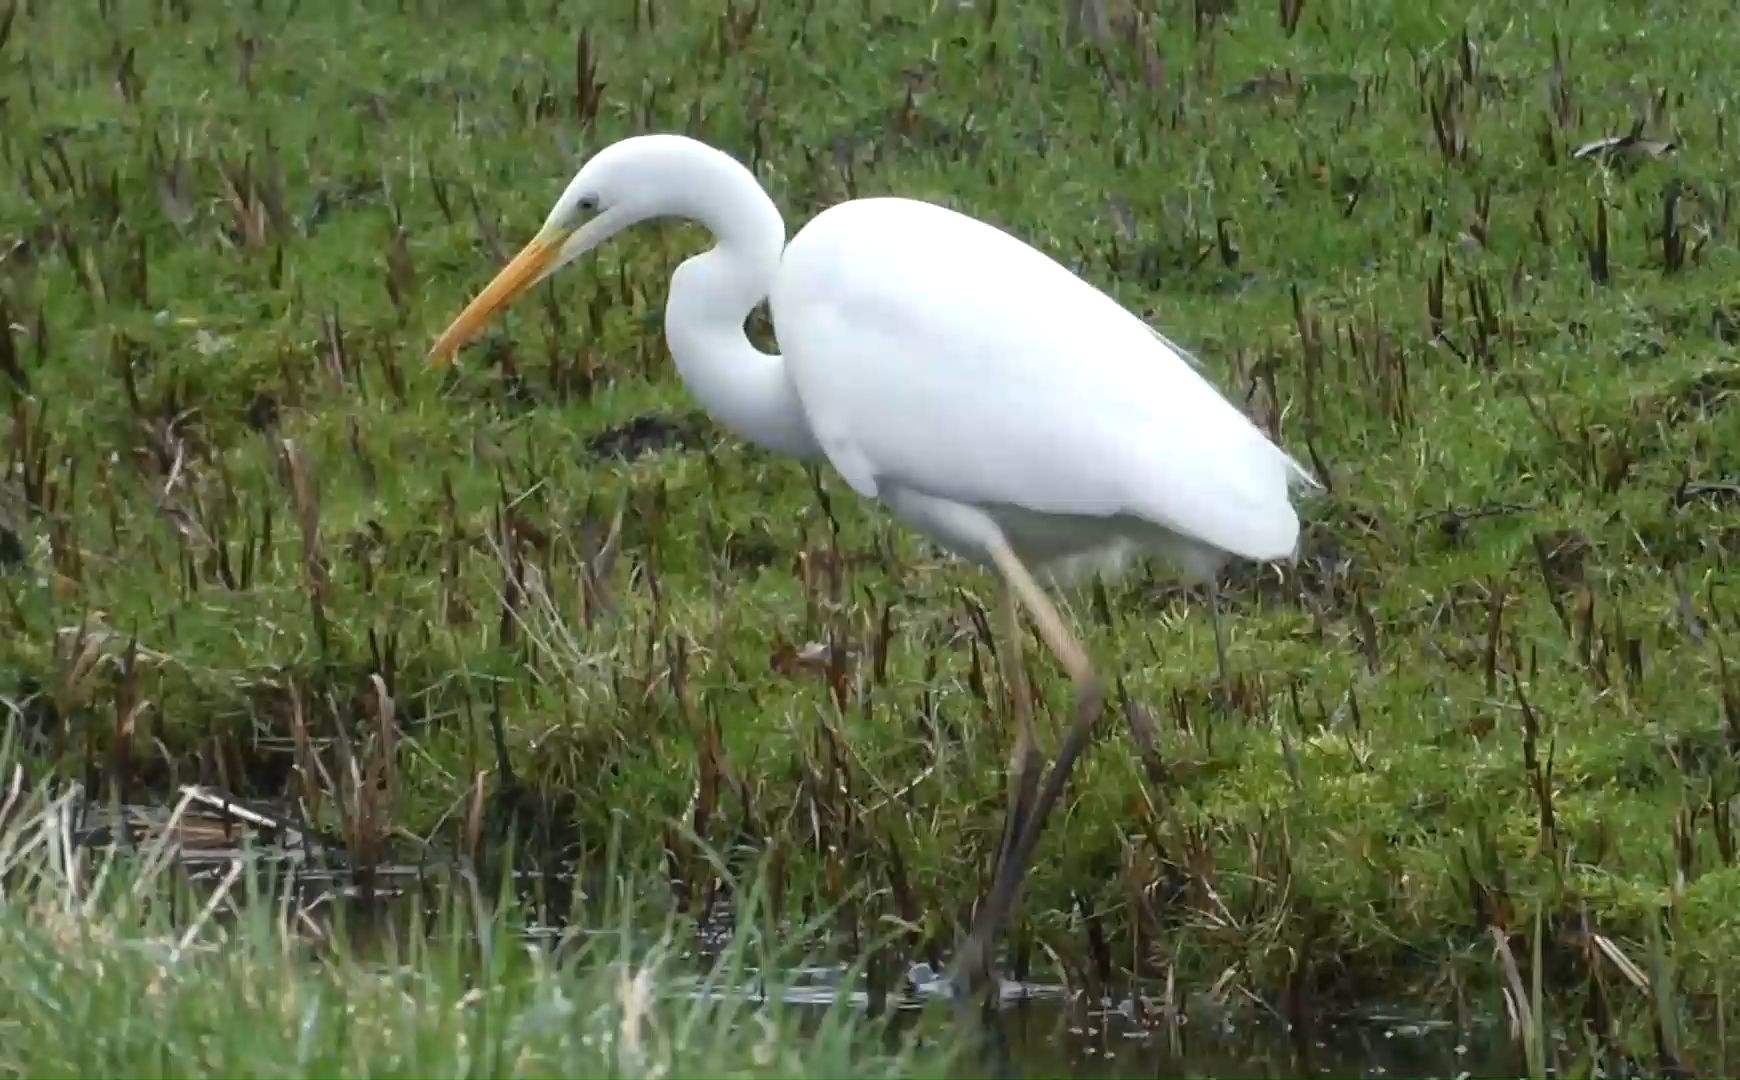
x=991, y=398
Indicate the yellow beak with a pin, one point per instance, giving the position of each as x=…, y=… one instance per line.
x=520, y=273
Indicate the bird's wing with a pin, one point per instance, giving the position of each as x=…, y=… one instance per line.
x=1177, y=349
x=937, y=352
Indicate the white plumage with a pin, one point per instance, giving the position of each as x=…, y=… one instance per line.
x=962, y=377
x=989, y=397
x=959, y=374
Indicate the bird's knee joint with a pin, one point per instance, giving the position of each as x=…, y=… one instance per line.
x=1090, y=690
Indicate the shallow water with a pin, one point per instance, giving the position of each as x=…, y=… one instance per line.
x=1044, y=1039
x=1047, y=1030
x=1040, y=1029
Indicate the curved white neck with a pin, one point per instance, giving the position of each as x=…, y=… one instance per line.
x=711, y=297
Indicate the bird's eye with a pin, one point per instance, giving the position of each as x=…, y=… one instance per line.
x=587, y=203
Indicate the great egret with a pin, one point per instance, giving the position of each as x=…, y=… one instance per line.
x=992, y=399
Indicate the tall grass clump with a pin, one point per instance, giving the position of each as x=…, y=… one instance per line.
x=119, y=961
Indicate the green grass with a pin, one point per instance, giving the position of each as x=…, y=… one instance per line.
x=1366, y=811
x=104, y=978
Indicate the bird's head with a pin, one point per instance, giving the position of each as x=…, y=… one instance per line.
x=626, y=182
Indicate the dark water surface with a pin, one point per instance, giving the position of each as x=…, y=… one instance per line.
x=1038, y=1030
x=1045, y=1030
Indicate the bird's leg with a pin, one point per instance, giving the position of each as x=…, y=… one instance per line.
x=1213, y=590
x=974, y=964
x=1024, y=755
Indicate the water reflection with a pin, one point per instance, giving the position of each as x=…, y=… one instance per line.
x=1046, y=1030
x=1037, y=1029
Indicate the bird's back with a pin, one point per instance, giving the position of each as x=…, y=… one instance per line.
x=938, y=352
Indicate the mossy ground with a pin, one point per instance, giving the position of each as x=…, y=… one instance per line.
x=1495, y=684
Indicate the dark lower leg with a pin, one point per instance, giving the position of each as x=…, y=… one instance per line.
x=1006, y=887
x=974, y=964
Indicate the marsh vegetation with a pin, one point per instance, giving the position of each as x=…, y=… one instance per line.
x=540, y=624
